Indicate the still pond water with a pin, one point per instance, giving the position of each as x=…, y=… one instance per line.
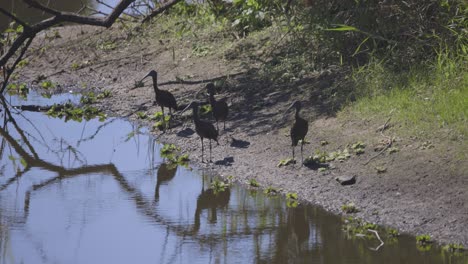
x=98, y=192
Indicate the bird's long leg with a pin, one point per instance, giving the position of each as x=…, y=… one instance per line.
x=302, y=157
x=224, y=124
x=210, y=151
x=202, y=149
x=217, y=127
x=293, y=151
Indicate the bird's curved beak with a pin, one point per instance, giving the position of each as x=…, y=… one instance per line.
x=186, y=108
x=198, y=93
x=146, y=76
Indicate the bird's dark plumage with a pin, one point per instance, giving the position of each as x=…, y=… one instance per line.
x=203, y=128
x=299, y=129
x=163, y=98
x=220, y=108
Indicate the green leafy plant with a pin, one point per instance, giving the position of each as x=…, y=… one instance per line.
x=286, y=162
x=253, y=183
x=71, y=112
x=104, y=94
x=393, y=232
x=168, y=149
x=270, y=191
x=219, y=186
x=423, y=239
x=47, y=85
x=141, y=115
x=358, y=147
x=349, y=208
x=205, y=109
x=453, y=248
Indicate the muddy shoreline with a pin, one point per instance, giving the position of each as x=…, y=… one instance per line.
x=423, y=190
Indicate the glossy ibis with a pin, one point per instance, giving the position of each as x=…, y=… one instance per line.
x=163, y=98
x=299, y=128
x=203, y=128
x=219, y=108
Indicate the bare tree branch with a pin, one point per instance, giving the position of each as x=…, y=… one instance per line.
x=161, y=9
x=58, y=17
x=10, y=71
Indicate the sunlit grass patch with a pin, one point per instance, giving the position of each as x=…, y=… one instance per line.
x=425, y=100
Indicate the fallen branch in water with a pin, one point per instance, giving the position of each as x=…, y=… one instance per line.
x=378, y=237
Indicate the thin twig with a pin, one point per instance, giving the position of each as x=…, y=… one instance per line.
x=378, y=237
x=389, y=144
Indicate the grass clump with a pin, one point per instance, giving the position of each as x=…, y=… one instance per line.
x=349, y=208
x=427, y=99
x=253, y=183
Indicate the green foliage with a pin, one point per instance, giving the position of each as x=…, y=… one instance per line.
x=168, y=149
x=107, y=45
x=292, y=200
x=23, y=63
x=291, y=196
x=324, y=157
x=393, y=232
x=104, y=94
x=270, y=191
x=161, y=123
x=71, y=112
x=286, y=162
x=171, y=153
x=425, y=99
x=423, y=239
x=219, y=186
x=253, y=183
x=141, y=115
x=349, y=208
x=18, y=89
x=358, y=147
x=453, y=248
x=47, y=85
x=205, y=109
x=88, y=98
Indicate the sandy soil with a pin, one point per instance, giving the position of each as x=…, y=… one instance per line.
x=423, y=191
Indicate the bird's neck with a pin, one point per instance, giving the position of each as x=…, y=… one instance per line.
x=212, y=99
x=195, y=115
x=155, y=84
x=297, y=113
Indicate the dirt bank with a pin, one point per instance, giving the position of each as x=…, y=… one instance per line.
x=423, y=191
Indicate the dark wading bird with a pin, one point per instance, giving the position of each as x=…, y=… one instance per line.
x=299, y=128
x=203, y=128
x=219, y=108
x=163, y=98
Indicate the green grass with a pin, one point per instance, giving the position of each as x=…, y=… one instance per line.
x=426, y=100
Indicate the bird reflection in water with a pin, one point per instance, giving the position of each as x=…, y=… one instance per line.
x=166, y=173
x=211, y=200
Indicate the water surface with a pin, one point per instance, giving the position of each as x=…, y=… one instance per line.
x=98, y=192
